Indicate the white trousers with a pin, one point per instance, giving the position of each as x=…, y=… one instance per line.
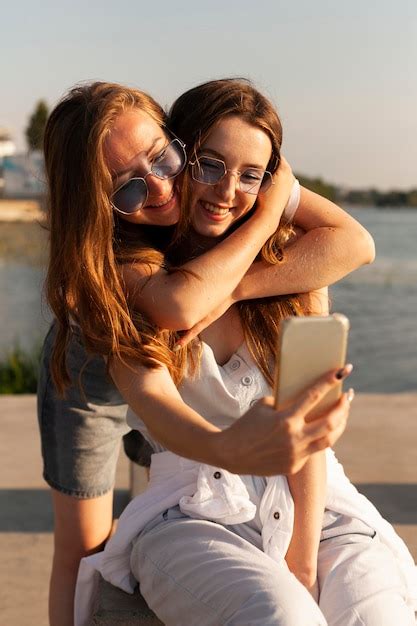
x=198, y=573
x=360, y=584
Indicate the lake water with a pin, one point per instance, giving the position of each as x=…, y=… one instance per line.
x=381, y=303
x=380, y=300
x=23, y=316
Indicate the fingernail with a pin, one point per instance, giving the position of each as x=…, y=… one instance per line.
x=350, y=395
x=344, y=371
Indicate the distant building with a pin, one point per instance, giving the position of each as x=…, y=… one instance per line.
x=23, y=175
x=7, y=146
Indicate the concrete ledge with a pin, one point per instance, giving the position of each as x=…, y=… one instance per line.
x=117, y=607
x=114, y=606
x=379, y=452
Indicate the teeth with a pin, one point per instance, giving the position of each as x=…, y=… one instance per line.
x=215, y=210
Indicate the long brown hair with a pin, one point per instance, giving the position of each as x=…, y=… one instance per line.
x=192, y=117
x=87, y=240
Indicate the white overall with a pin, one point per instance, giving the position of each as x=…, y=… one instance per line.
x=362, y=580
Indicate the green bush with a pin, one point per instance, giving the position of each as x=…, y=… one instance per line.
x=19, y=371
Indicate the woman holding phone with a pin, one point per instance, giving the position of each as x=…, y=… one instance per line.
x=98, y=139
x=207, y=542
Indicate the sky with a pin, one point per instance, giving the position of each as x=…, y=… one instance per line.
x=343, y=75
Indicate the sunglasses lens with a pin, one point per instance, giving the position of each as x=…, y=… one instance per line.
x=251, y=181
x=208, y=171
x=131, y=196
x=171, y=162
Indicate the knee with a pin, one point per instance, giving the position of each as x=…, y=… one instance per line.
x=68, y=553
x=81, y=525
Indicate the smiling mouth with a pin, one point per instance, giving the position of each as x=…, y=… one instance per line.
x=161, y=204
x=215, y=210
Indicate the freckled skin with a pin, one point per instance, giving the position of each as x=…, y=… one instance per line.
x=135, y=139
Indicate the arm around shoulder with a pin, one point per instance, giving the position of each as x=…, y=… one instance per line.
x=332, y=245
x=315, y=212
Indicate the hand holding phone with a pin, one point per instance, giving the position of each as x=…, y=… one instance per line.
x=308, y=347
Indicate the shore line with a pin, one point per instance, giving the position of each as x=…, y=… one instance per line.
x=20, y=210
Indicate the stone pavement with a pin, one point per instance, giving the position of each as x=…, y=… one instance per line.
x=26, y=521
x=379, y=452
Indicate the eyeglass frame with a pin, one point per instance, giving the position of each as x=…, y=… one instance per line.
x=226, y=170
x=143, y=178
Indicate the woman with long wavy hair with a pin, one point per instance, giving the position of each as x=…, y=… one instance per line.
x=215, y=540
x=112, y=164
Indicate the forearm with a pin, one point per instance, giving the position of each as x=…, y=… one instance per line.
x=219, y=271
x=312, y=262
x=152, y=395
x=308, y=489
x=181, y=430
x=264, y=441
x=178, y=300
x=334, y=244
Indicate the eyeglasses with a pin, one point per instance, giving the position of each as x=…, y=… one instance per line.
x=130, y=197
x=210, y=171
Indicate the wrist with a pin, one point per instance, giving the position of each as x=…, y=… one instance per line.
x=222, y=452
x=217, y=454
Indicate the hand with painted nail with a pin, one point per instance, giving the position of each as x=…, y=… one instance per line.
x=266, y=441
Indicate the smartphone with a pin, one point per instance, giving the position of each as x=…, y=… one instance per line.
x=308, y=347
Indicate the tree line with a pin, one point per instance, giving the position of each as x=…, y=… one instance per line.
x=36, y=126
x=361, y=197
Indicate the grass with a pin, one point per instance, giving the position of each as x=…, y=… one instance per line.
x=19, y=371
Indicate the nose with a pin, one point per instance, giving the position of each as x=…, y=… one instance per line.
x=157, y=186
x=226, y=187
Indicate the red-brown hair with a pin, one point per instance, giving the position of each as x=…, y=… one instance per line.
x=87, y=240
x=192, y=117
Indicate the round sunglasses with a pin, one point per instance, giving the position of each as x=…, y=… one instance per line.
x=130, y=197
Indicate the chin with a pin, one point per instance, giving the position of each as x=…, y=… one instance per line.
x=211, y=230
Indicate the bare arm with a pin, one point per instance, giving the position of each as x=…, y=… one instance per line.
x=263, y=442
x=308, y=489
x=333, y=245
x=177, y=300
